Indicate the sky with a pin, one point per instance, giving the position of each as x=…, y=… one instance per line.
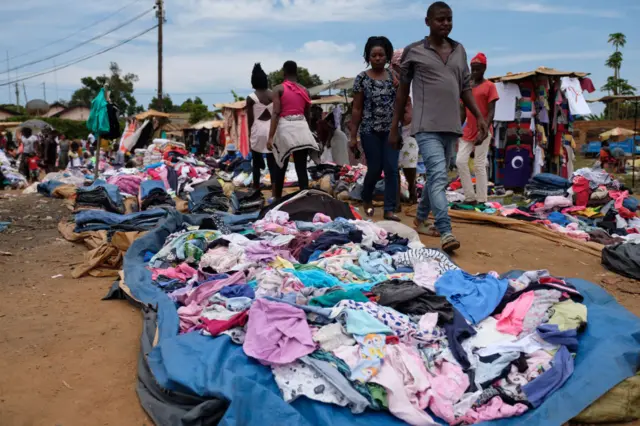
x=210, y=46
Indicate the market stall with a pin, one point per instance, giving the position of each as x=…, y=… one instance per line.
x=533, y=124
x=236, y=130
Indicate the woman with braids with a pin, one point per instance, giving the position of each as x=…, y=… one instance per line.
x=374, y=96
x=259, y=112
x=290, y=133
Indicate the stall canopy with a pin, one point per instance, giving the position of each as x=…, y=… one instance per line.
x=232, y=105
x=343, y=83
x=333, y=99
x=549, y=72
x=152, y=113
x=208, y=124
x=618, y=131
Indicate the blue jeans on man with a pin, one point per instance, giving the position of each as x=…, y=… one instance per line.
x=435, y=149
x=380, y=156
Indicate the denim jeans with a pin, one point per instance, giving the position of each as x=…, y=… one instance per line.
x=435, y=149
x=380, y=156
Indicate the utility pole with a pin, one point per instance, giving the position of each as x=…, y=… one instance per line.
x=44, y=91
x=8, y=78
x=25, y=95
x=160, y=15
x=18, y=96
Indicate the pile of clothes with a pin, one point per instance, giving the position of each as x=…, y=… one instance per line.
x=100, y=195
x=152, y=193
x=208, y=197
x=9, y=173
x=98, y=220
x=362, y=315
x=246, y=201
x=592, y=206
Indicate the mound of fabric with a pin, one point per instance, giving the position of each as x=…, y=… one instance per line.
x=208, y=197
x=321, y=309
x=152, y=193
x=97, y=220
x=246, y=201
x=100, y=195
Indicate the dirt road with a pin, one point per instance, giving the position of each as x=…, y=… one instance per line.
x=68, y=358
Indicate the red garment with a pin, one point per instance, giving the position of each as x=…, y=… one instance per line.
x=557, y=146
x=480, y=58
x=33, y=163
x=216, y=327
x=392, y=340
x=484, y=94
x=294, y=99
x=243, y=139
x=582, y=190
x=587, y=85
x=619, y=197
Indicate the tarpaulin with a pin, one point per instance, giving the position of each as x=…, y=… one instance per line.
x=217, y=369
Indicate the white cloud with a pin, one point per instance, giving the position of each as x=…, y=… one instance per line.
x=321, y=47
x=538, y=58
x=540, y=7
x=296, y=11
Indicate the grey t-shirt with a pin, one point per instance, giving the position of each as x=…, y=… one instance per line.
x=29, y=144
x=437, y=86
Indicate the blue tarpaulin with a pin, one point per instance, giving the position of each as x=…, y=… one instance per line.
x=609, y=352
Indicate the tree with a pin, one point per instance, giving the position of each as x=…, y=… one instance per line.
x=197, y=110
x=616, y=85
x=237, y=98
x=305, y=78
x=120, y=90
x=618, y=40
x=167, y=104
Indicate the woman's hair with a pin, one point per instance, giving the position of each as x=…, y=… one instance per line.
x=259, y=79
x=74, y=146
x=290, y=68
x=26, y=132
x=378, y=41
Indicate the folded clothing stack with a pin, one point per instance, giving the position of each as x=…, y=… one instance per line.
x=153, y=193
x=246, y=201
x=128, y=184
x=546, y=184
x=101, y=195
x=98, y=220
x=208, y=197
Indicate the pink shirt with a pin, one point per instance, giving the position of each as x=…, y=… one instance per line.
x=294, y=100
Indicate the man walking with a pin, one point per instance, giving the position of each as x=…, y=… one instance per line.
x=437, y=68
x=485, y=95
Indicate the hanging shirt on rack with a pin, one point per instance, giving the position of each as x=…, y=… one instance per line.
x=506, y=104
x=573, y=91
x=527, y=99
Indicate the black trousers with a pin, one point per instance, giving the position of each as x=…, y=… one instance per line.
x=300, y=161
x=258, y=165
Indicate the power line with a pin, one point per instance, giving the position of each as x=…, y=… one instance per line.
x=82, y=43
x=81, y=59
x=73, y=34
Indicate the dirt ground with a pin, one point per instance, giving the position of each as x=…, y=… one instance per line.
x=68, y=358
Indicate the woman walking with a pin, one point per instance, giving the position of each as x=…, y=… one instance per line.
x=408, y=161
x=290, y=133
x=259, y=113
x=63, y=148
x=374, y=96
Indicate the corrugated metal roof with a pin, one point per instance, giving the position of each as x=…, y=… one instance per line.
x=550, y=72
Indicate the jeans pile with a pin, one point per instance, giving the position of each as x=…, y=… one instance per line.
x=98, y=220
x=543, y=185
x=153, y=193
x=246, y=201
x=208, y=197
x=100, y=195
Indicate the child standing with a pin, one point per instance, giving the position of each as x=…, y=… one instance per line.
x=34, y=169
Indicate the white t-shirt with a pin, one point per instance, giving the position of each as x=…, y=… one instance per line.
x=506, y=105
x=29, y=144
x=91, y=139
x=572, y=90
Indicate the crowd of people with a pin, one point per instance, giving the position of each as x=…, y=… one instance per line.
x=393, y=122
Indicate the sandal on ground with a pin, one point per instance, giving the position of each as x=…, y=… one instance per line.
x=391, y=216
x=449, y=243
x=369, y=210
x=425, y=228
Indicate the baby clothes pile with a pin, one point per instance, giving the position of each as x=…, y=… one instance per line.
x=362, y=315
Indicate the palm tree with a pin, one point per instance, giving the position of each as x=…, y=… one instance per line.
x=618, y=40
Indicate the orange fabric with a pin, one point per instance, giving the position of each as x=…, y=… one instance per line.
x=484, y=94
